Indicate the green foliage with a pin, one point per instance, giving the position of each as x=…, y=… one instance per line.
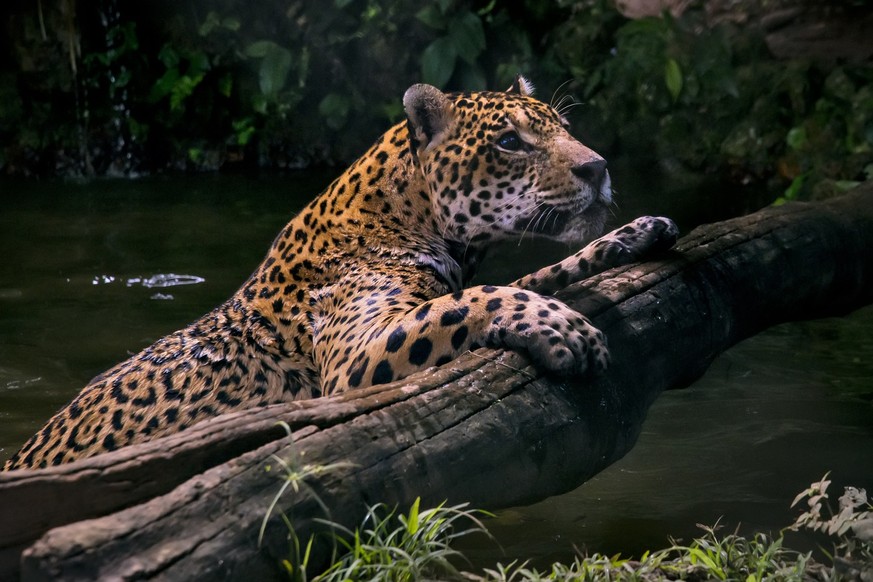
x=711, y=557
x=388, y=545
x=733, y=557
x=717, y=102
x=185, y=70
x=417, y=545
x=275, y=65
x=294, y=475
x=829, y=148
x=673, y=78
x=335, y=109
x=403, y=548
x=121, y=43
x=850, y=527
x=592, y=568
x=303, y=82
x=461, y=42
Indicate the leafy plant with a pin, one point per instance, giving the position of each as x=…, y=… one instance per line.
x=294, y=476
x=184, y=71
x=851, y=526
x=121, y=43
x=711, y=557
x=718, y=102
x=417, y=545
x=276, y=64
x=306, y=82
x=461, y=42
x=404, y=547
x=593, y=568
x=734, y=557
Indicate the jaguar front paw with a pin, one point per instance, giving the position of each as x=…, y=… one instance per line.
x=556, y=337
x=641, y=237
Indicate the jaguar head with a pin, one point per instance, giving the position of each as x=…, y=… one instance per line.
x=502, y=164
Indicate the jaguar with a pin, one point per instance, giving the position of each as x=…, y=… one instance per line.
x=371, y=281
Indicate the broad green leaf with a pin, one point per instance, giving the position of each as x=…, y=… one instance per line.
x=198, y=63
x=392, y=110
x=195, y=154
x=467, y=35
x=182, y=89
x=259, y=49
x=729, y=85
x=225, y=85
x=231, y=23
x=244, y=130
x=796, y=138
x=673, y=78
x=164, y=85
x=431, y=16
x=335, y=109
x=122, y=79
x=259, y=104
x=274, y=69
x=212, y=21
x=794, y=189
x=438, y=62
x=846, y=185
x=168, y=56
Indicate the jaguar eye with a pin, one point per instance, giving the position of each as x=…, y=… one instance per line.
x=509, y=141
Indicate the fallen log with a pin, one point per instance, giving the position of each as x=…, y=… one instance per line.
x=486, y=428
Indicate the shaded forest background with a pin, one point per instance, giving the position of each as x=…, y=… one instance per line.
x=106, y=87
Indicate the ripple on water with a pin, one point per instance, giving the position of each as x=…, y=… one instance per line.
x=20, y=383
x=159, y=280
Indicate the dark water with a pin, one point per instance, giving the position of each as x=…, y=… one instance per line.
x=771, y=415
x=93, y=272
x=77, y=286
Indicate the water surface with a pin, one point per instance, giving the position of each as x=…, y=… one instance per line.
x=94, y=272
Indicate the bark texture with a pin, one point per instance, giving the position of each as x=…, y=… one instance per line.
x=486, y=428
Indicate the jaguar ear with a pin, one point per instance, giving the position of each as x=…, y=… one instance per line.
x=429, y=116
x=522, y=87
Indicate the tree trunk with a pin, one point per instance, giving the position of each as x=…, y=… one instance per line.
x=487, y=428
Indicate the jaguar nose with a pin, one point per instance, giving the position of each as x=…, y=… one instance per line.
x=592, y=171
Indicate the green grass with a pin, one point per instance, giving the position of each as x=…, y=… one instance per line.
x=393, y=546
x=398, y=547
x=710, y=557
